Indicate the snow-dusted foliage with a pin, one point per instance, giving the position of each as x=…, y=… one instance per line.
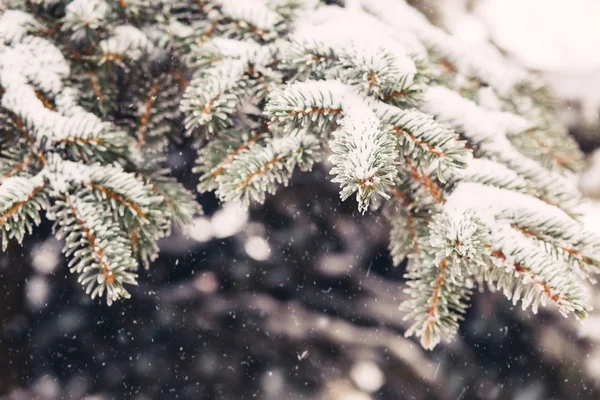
x=460, y=150
x=67, y=149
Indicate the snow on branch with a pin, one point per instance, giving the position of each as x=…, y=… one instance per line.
x=98, y=253
x=311, y=105
x=533, y=277
x=251, y=18
x=211, y=100
x=21, y=202
x=258, y=168
x=15, y=24
x=135, y=204
x=488, y=130
x=62, y=154
x=436, y=307
x=459, y=146
x=364, y=154
x=221, y=152
x=375, y=70
x=424, y=140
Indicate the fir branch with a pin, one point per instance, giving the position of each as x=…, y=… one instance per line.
x=375, y=69
x=214, y=158
x=259, y=168
x=562, y=160
x=313, y=104
x=103, y=262
x=211, y=100
x=425, y=181
x=364, y=156
x=562, y=237
x=309, y=59
x=520, y=282
x=437, y=302
x=423, y=140
x=460, y=239
x=407, y=227
x=154, y=115
x=21, y=201
x=81, y=14
x=491, y=173
x=15, y=161
x=132, y=203
x=144, y=221
x=89, y=133
x=251, y=19
x=489, y=129
x=179, y=202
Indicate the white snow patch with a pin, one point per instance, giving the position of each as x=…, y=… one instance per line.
x=367, y=376
x=46, y=257
x=200, y=229
x=229, y=220
x=257, y=248
x=36, y=292
x=549, y=35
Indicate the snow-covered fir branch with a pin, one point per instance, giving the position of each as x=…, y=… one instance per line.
x=461, y=151
x=64, y=153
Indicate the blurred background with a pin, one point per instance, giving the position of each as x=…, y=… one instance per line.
x=297, y=298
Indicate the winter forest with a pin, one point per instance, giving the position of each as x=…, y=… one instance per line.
x=299, y=199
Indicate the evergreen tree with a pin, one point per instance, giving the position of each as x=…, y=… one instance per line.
x=460, y=151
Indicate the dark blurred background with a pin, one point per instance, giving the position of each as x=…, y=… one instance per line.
x=297, y=298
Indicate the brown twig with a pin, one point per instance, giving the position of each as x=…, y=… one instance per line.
x=28, y=158
x=38, y=154
x=45, y=101
x=146, y=117
x=432, y=312
x=418, y=142
x=96, y=87
x=120, y=199
x=221, y=167
x=411, y=221
x=426, y=182
x=261, y=171
x=560, y=160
